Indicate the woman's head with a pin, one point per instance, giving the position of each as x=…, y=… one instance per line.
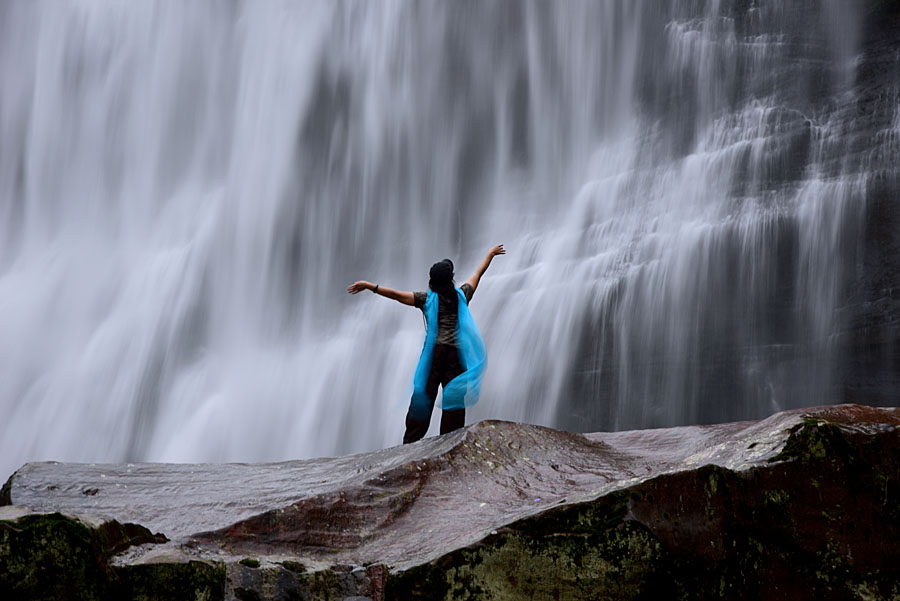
x=441, y=275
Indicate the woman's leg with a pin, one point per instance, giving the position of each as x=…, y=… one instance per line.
x=452, y=419
x=418, y=418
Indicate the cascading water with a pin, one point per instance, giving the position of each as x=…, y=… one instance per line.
x=186, y=189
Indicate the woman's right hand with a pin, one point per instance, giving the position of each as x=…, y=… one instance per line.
x=359, y=286
x=497, y=250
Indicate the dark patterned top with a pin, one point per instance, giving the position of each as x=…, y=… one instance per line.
x=446, y=314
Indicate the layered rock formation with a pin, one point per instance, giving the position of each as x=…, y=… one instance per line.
x=802, y=505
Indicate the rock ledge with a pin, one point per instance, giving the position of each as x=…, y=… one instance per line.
x=802, y=505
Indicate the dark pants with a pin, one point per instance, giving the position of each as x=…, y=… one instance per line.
x=444, y=367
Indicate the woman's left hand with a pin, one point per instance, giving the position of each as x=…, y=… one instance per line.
x=359, y=286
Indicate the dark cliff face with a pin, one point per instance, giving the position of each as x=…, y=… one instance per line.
x=757, y=345
x=872, y=341
x=802, y=505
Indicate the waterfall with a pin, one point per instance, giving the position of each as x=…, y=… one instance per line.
x=186, y=190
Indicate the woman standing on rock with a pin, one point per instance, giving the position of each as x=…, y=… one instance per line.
x=453, y=357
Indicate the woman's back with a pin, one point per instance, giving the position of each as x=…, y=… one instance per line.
x=447, y=313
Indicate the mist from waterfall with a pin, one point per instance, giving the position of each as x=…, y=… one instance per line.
x=187, y=188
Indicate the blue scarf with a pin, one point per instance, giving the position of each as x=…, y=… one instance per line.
x=464, y=389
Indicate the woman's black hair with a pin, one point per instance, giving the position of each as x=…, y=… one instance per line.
x=441, y=281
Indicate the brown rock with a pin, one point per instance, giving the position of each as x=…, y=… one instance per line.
x=802, y=505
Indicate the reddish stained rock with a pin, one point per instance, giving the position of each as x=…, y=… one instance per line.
x=802, y=505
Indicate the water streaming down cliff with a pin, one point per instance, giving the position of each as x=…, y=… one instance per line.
x=187, y=188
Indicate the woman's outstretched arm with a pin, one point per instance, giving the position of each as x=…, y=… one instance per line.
x=476, y=277
x=406, y=298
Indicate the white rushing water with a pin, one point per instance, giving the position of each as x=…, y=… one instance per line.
x=187, y=188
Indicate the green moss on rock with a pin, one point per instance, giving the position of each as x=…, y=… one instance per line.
x=293, y=566
x=623, y=562
x=50, y=556
x=6, y=492
x=815, y=440
x=246, y=594
x=57, y=557
x=191, y=581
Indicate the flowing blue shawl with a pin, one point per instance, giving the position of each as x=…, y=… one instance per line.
x=463, y=390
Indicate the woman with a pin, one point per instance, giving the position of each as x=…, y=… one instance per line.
x=453, y=356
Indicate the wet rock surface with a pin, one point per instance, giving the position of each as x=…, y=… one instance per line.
x=802, y=505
